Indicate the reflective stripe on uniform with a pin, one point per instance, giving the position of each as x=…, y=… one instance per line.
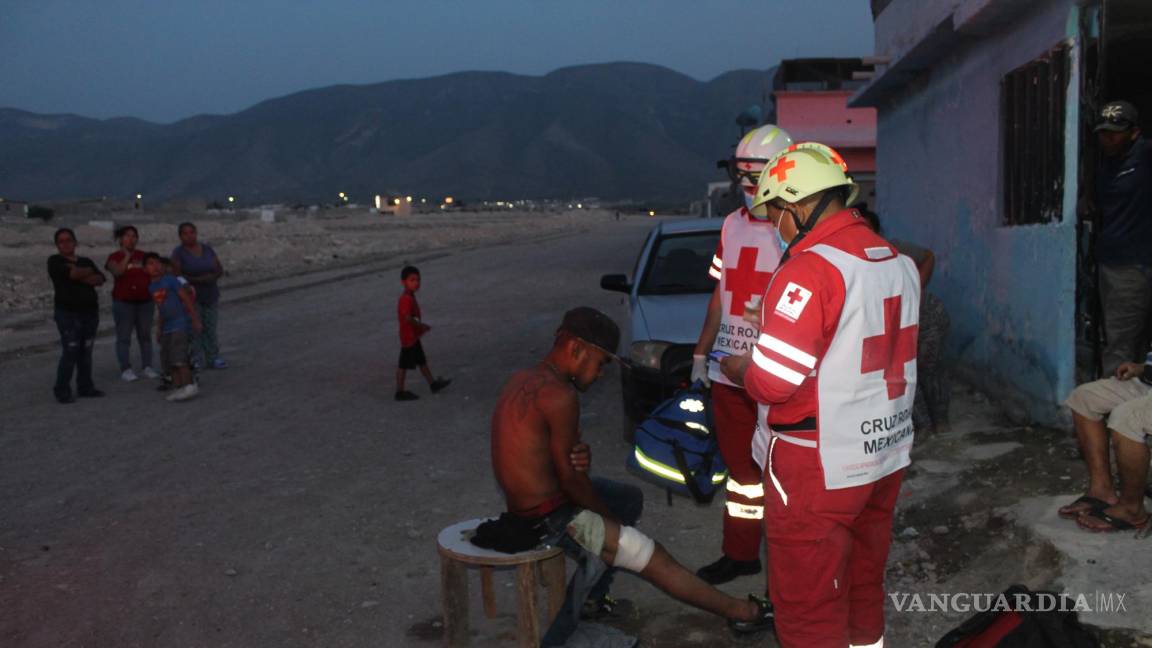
x=751, y=491
x=714, y=273
x=787, y=350
x=795, y=440
x=745, y=511
x=775, y=368
x=772, y=475
x=668, y=472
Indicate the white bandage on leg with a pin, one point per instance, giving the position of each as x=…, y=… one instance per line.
x=634, y=550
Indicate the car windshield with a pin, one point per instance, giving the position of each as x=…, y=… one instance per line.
x=679, y=263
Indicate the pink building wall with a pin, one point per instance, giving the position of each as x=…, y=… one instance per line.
x=824, y=116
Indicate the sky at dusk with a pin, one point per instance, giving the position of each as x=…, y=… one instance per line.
x=164, y=60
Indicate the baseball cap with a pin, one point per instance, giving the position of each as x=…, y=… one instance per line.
x=1117, y=116
x=593, y=327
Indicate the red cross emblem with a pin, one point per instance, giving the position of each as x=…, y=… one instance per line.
x=891, y=350
x=794, y=296
x=745, y=280
x=782, y=168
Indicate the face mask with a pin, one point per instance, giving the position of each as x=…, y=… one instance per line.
x=780, y=240
x=749, y=198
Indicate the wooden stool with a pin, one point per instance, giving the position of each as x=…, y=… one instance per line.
x=457, y=554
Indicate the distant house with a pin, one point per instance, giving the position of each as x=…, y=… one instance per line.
x=13, y=208
x=811, y=103
x=985, y=144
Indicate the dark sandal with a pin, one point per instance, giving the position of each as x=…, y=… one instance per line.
x=1094, y=504
x=1114, y=523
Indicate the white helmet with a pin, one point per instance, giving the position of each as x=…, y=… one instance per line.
x=802, y=170
x=755, y=149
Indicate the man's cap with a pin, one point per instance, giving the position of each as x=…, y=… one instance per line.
x=593, y=327
x=1117, y=116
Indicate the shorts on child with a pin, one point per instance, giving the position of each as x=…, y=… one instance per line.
x=412, y=357
x=1126, y=403
x=173, y=350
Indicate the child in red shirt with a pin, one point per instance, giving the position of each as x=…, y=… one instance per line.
x=411, y=330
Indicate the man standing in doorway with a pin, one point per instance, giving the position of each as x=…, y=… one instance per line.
x=748, y=254
x=1123, y=197
x=834, y=369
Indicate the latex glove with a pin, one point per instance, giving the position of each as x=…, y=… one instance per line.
x=700, y=369
x=752, y=310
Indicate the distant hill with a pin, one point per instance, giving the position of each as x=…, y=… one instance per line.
x=618, y=130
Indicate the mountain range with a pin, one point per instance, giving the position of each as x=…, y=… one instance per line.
x=615, y=131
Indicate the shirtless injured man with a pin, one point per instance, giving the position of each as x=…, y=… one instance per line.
x=541, y=466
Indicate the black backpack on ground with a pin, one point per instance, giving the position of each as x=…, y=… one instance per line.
x=1022, y=628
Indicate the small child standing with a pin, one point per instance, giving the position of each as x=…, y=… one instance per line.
x=411, y=330
x=177, y=313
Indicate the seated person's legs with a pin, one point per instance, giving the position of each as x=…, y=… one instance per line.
x=1131, y=423
x=1090, y=403
x=627, y=548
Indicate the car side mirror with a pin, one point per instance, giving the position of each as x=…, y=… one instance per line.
x=615, y=282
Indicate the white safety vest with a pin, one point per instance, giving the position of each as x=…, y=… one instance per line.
x=866, y=381
x=750, y=253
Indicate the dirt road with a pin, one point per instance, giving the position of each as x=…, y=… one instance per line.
x=296, y=504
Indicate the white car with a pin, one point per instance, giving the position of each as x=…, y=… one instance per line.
x=667, y=301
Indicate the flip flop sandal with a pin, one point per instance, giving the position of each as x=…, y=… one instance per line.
x=1094, y=504
x=1115, y=523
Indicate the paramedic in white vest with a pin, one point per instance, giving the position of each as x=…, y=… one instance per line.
x=834, y=369
x=745, y=259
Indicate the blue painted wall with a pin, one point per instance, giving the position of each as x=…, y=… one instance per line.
x=1010, y=291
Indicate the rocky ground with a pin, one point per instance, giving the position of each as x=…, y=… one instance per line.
x=299, y=241
x=296, y=504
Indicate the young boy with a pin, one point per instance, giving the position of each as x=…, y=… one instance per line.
x=177, y=310
x=165, y=377
x=411, y=330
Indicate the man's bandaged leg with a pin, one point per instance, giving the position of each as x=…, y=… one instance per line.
x=633, y=550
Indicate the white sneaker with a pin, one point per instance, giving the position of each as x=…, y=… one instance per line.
x=129, y=375
x=150, y=373
x=184, y=393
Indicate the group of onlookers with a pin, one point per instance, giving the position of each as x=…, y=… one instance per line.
x=178, y=296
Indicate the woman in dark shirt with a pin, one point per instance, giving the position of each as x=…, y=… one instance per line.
x=77, y=315
x=197, y=262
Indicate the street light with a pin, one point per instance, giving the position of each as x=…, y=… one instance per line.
x=231, y=199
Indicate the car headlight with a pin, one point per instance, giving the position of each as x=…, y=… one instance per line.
x=648, y=353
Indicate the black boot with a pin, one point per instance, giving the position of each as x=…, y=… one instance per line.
x=726, y=569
